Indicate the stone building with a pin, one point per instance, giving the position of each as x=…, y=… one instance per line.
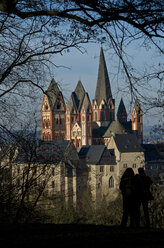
x=79, y=117
x=106, y=164
x=102, y=171
x=106, y=146
x=50, y=168
x=128, y=152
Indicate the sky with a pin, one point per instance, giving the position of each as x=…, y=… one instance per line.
x=85, y=67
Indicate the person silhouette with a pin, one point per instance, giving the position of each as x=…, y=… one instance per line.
x=127, y=187
x=143, y=196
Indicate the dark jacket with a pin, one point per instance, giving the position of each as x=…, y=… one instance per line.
x=127, y=187
x=143, y=184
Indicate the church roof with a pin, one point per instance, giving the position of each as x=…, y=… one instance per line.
x=121, y=108
x=98, y=132
x=151, y=152
x=127, y=125
x=70, y=103
x=86, y=102
x=77, y=97
x=92, y=153
x=52, y=92
x=127, y=143
x=103, y=89
x=114, y=128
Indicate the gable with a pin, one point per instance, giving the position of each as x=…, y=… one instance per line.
x=71, y=154
x=45, y=104
x=102, y=104
x=59, y=103
x=95, y=104
x=76, y=127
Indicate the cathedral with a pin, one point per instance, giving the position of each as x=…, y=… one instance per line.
x=84, y=122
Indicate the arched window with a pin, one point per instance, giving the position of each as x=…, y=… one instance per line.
x=102, y=116
x=48, y=136
x=95, y=116
x=43, y=124
x=111, y=182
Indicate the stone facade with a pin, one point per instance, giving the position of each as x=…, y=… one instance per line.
x=69, y=174
x=107, y=164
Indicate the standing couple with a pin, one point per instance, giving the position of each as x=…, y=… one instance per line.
x=136, y=192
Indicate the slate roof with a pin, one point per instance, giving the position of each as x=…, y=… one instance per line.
x=151, y=152
x=93, y=153
x=121, y=108
x=86, y=102
x=127, y=143
x=52, y=92
x=70, y=104
x=114, y=128
x=128, y=126
x=103, y=89
x=98, y=132
x=97, y=154
x=83, y=152
x=77, y=97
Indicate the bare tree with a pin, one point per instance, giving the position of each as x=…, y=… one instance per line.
x=32, y=31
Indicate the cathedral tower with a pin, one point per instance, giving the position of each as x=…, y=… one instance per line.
x=103, y=104
x=121, y=113
x=79, y=117
x=53, y=114
x=137, y=121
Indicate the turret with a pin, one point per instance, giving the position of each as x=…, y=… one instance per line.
x=121, y=113
x=53, y=114
x=137, y=121
x=103, y=104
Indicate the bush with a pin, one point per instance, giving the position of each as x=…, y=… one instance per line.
x=156, y=207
